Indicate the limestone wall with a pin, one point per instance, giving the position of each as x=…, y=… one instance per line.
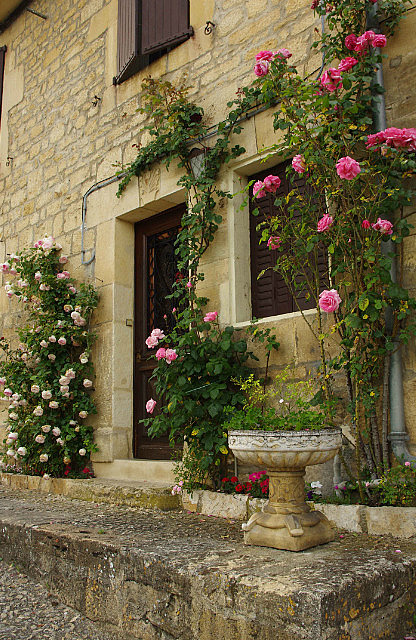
x=60, y=144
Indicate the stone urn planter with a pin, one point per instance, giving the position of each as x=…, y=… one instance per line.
x=286, y=521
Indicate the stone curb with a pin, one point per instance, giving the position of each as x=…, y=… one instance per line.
x=399, y=522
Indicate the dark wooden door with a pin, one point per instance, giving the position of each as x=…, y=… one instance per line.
x=155, y=272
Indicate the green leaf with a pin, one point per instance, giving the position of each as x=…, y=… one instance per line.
x=363, y=303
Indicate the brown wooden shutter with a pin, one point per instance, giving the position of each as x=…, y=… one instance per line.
x=164, y=23
x=2, y=56
x=128, y=40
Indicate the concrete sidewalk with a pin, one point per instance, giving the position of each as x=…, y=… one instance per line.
x=156, y=575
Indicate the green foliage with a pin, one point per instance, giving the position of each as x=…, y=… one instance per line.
x=50, y=366
x=398, y=486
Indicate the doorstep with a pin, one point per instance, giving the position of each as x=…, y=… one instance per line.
x=399, y=522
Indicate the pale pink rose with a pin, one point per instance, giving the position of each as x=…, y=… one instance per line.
x=51, y=357
x=258, y=189
x=13, y=271
x=52, y=339
x=150, y=405
x=61, y=340
x=379, y=40
x=53, y=404
x=8, y=393
x=157, y=333
x=346, y=64
x=265, y=55
x=10, y=453
x=325, y=222
x=75, y=315
x=299, y=164
x=13, y=435
x=35, y=388
x=171, y=355
x=366, y=224
x=40, y=439
x=44, y=287
x=271, y=183
x=151, y=342
x=64, y=389
x=82, y=452
x=283, y=54
x=407, y=464
x=38, y=276
x=63, y=259
x=348, y=168
x=70, y=373
x=331, y=79
x=43, y=343
x=72, y=423
x=46, y=395
x=2, y=381
x=46, y=428
x=43, y=457
x=21, y=451
x=13, y=416
x=384, y=226
x=56, y=431
x=5, y=267
x=62, y=275
x=38, y=411
x=87, y=383
x=60, y=441
x=273, y=242
x=67, y=308
x=72, y=289
x=83, y=414
x=83, y=358
x=160, y=353
x=64, y=380
x=329, y=301
x=47, y=243
x=211, y=316
x=261, y=68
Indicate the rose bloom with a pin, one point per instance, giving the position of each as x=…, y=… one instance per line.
x=5, y=267
x=60, y=441
x=47, y=395
x=161, y=353
x=171, y=355
x=2, y=380
x=82, y=452
x=63, y=259
x=348, y=168
x=346, y=64
x=35, y=388
x=211, y=316
x=284, y=54
x=366, y=224
x=38, y=411
x=21, y=451
x=83, y=358
x=53, y=404
x=150, y=405
x=157, y=333
x=44, y=287
x=43, y=457
x=299, y=164
x=46, y=428
x=325, y=222
x=64, y=389
x=56, y=431
x=261, y=68
x=13, y=435
x=189, y=285
x=331, y=79
x=62, y=340
x=151, y=342
x=67, y=308
x=40, y=439
x=351, y=41
x=265, y=55
x=10, y=453
x=77, y=429
x=83, y=414
x=64, y=380
x=13, y=416
x=273, y=242
x=70, y=373
x=271, y=183
x=87, y=383
x=8, y=393
x=379, y=40
x=38, y=276
x=329, y=301
x=384, y=226
x=72, y=289
x=52, y=357
x=258, y=189
x=43, y=343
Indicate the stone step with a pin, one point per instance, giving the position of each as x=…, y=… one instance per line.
x=99, y=490
x=153, y=575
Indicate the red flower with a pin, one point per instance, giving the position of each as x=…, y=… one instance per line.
x=265, y=489
x=248, y=486
x=225, y=480
x=234, y=479
x=239, y=488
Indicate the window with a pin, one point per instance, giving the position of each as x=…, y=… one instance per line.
x=147, y=29
x=270, y=295
x=2, y=56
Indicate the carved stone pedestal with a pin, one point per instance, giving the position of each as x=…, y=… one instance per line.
x=286, y=521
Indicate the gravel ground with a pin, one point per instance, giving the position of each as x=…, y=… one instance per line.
x=29, y=612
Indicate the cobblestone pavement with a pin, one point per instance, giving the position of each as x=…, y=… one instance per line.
x=29, y=612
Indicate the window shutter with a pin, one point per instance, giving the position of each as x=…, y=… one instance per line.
x=164, y=23
x=2, y=56
x=128, y=42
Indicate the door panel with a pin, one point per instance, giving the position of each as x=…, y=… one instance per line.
x=155, y=272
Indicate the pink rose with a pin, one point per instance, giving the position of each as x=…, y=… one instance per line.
x=171, y=355
x=56, y=431
x=62, y=340
x=348, y=168
x=364, y=41
x=62, y=276
x=346, y=64
x=379, y=40
x=72, y=289
x=8, y=393
x=407, y=464
x=331, y=79
x=46, y=395
x=351, y=41
x=87, y=383
x=157, y=333
x=53, y=404
x=384, y=226
x=47, y=243
x=258, y=189
x=273, y=242
x=5, y=267
x=264, y=55
x=161, y=353
x=151, y=342
x=150, y=405
x=271, y=183
x=284, y=54
x=52, y=338
x=325, y=222
x=299, y=164
x=63, y=260
x=211, y=316
x=329, y=301
x=189, y=285
x=261, y=68
x=366, y=224
x=40, y=439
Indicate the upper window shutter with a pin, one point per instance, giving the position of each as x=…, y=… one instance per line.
x=128, y=39
x=2, y=56
x=164, y=23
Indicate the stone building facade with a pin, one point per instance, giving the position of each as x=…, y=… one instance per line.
x=65, y=127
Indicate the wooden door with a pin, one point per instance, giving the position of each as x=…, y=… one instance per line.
x=155, y=272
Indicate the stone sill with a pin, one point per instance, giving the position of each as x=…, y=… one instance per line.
x=399, y=522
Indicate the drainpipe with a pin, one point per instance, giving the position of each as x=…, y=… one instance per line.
x=398, y=433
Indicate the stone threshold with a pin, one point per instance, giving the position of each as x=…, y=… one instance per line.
x=147, y=574
x=399, y=522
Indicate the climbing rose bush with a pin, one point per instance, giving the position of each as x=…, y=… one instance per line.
x=48, y=377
